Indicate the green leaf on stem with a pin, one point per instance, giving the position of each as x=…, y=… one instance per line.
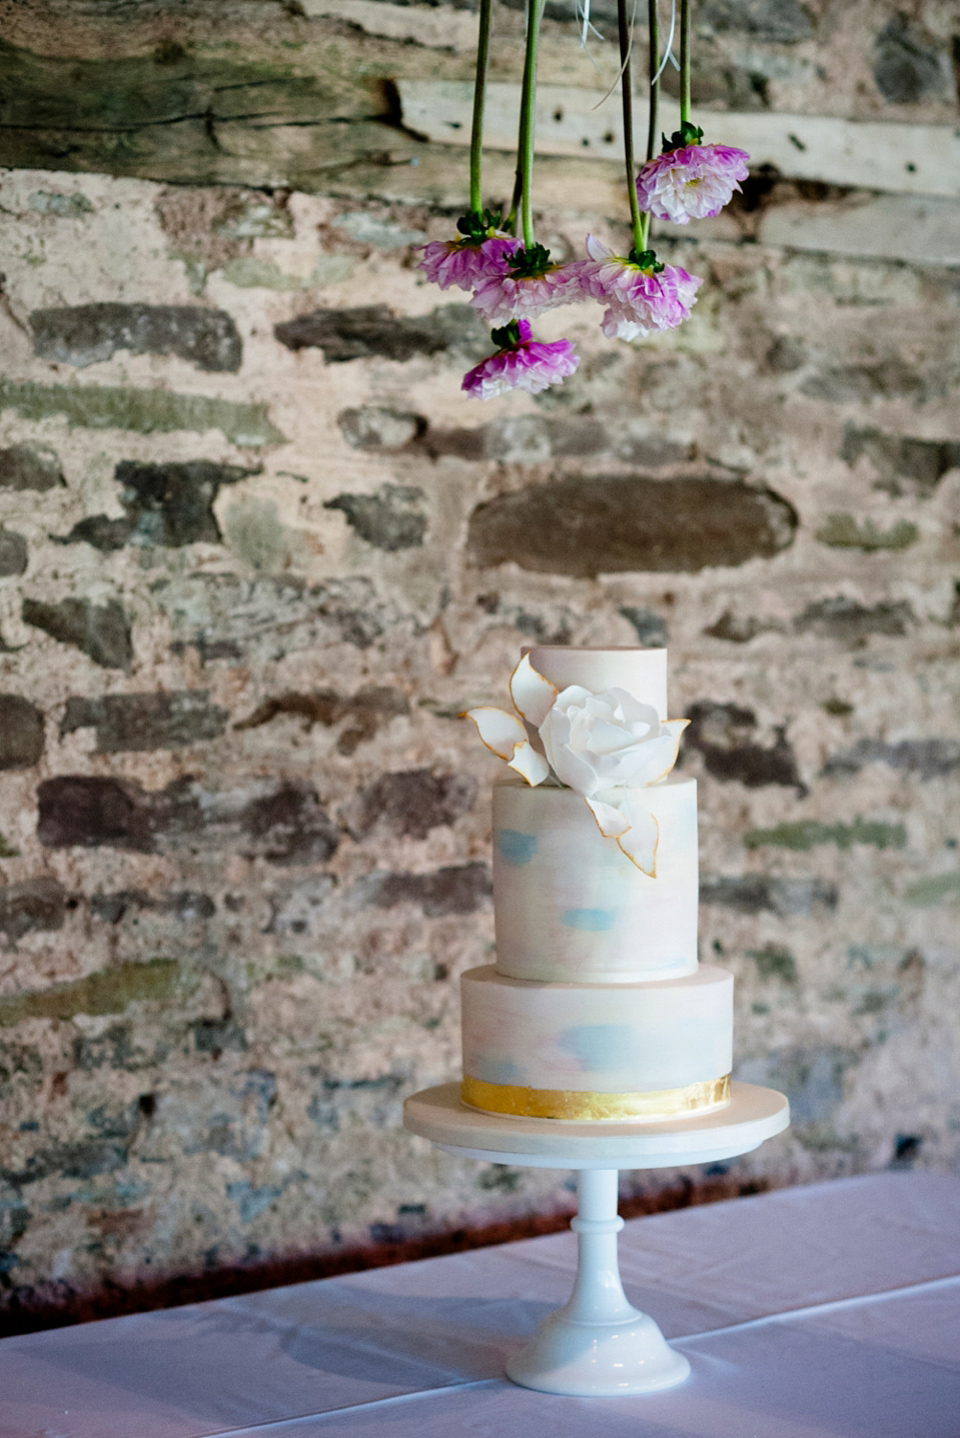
x=508, y=337
x=686, y=135
x=529, y=263
x=646, y=260
x=476, y=227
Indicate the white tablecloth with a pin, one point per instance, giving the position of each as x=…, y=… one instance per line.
x=811, y=1313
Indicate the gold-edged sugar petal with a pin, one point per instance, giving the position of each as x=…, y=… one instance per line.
x=610, y=821
x=500, y=731
x=672, y=728
x=529, y=763
x=533, y=695
x=640, y=841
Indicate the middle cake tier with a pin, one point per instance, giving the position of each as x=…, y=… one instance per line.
x=597, y=1050
x=568, y=903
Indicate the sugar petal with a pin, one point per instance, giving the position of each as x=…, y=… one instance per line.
x=640, y=841
x=610, y=821
x=500, y=731
x=529, y=763
x=533, y=695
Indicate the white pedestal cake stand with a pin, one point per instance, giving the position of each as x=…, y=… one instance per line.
x=597, y=1344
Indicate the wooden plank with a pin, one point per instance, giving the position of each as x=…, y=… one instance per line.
x=203, y=119
x=867, y=154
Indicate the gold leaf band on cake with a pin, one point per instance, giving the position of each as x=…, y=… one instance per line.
x=524, y=1102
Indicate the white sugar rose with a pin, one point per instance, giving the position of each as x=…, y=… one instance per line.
x=606, y=747
x=596, y=742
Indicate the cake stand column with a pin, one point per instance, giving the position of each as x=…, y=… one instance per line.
x=598, y=1344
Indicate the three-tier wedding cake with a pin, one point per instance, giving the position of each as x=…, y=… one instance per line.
x=596, y=1007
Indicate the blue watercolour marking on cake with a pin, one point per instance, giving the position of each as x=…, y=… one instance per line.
x=589, y=921
x=497, y=1071
x=514, y=847
x=599, y=1046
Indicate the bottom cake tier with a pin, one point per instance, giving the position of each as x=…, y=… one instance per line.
x=597, y=1051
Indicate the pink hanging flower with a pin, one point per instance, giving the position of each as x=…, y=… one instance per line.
x=467, y=262
x=520, y=362
x=641, y=295
x=530, y=285
x=691, y=182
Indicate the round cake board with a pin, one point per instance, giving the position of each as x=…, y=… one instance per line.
x=598, y=1344
x=752, y=1115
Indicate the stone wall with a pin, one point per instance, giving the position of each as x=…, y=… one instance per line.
x=257, y=554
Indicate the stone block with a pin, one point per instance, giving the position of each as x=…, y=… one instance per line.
x=759, y=893
x=890, y=378
x=930, y=758
x=458, y=889
x=844, y=531
x=649, y=627
x=372, y=1102
x=847, y=619
x=126, y=722
x=185, y=906
x=288, y=826
x=224, y=616
x=146, y=411
x=908, y=64
x=107, y=991
x=812, y=1078
x=348, y=334
x=806, y=833
x=85, y=811
x=414, y=801
x=588, y=526
x=372, y=427
x=101, y=631
x=281, y=820
x=35, y=904
x=166, y=504
x=23, y=466
x=781, y=22
x=740, y=628
x=390, y=519
x=82, y=335
x=774, y=961
x=724, y=735
x=903, y=463
x=21, y=732
x=65, y=207
x=226, y=1117
x=83, y=1159
x=13, y=554
x=362, y=714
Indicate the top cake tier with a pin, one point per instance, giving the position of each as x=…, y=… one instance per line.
x=641, y=672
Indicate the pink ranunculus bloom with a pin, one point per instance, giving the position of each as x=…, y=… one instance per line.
x=506, y=297
x=638, y=300
x=464, y=262
x=528, y=364
x=691, y=183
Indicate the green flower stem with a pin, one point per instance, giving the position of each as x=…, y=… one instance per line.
x=479, y=97
x=684, y=62
x=626, y=91
x=510, y=223
x=528, y=125
x=653, y=122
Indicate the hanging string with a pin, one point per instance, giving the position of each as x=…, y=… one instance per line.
x=625, y=62
x=668, y=49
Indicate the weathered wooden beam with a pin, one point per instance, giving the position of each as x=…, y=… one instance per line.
x=202, y=118
x=869, y=154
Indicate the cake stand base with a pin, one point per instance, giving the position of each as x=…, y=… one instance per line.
x=598, y=1344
